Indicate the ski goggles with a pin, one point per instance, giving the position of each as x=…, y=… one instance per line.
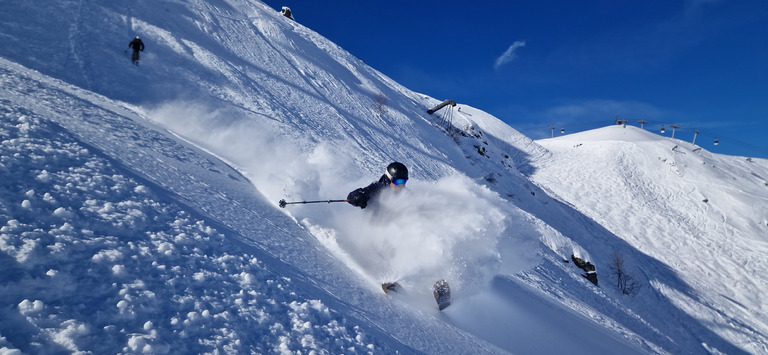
x=399, y=182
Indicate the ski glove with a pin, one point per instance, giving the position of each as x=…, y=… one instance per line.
x=358, y=198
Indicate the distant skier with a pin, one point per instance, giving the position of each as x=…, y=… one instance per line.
x=287, y=12
x=138, y=46
x=395, y=177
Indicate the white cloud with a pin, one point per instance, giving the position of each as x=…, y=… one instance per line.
x=508, y=55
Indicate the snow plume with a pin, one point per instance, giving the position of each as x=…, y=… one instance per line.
x=508, y=55
x=278, y=165
x=448, y=229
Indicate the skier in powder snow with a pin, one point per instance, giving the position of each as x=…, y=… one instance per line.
x=395, y=177
x=138, y=46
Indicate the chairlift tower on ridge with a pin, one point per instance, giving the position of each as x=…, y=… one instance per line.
x=674, y=127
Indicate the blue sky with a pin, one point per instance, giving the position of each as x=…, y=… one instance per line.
x=700, y=64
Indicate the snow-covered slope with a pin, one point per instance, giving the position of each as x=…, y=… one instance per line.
x=139, y=205
x=702, y=215
x=119, y=237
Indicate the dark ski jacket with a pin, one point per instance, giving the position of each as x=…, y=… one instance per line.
x=137, y=45
x=362, y=196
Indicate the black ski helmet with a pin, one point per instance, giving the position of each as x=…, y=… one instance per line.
x=397, y=170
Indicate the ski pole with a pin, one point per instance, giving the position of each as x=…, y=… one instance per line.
x=282, y=203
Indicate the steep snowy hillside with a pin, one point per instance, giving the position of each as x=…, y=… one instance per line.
x=119, y=237
x=146, y=213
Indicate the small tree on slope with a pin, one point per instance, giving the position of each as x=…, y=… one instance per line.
x=627, y=283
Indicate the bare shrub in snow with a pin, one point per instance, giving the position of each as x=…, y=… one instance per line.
x=626, y=282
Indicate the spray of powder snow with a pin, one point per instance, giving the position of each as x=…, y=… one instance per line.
x=448, y=229
x=280, y=166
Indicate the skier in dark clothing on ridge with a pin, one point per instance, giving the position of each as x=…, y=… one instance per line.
x=138, y=46
x=394, y=177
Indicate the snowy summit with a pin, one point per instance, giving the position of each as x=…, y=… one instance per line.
x=139, y=205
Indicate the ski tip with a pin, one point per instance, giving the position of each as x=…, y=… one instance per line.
x=442, y=293
x=441, y=286
x=390, y=287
